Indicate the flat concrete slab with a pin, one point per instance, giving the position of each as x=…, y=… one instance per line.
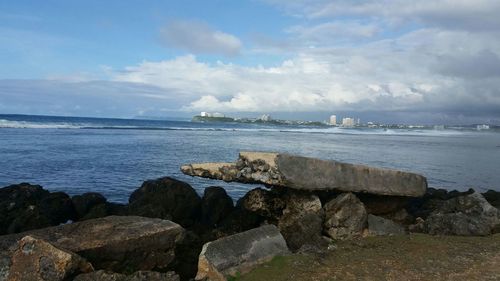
x=311, y=174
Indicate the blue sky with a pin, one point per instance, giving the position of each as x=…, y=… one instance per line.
x=424, y=61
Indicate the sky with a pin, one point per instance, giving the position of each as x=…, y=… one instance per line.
x=380, y=60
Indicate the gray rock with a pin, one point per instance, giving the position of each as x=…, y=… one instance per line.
x=463, y=215
x=113, y=243
x=302, y=220
x=265, y=203
x=239, y=253
x=311, y=174
x=381, y=226
x=35, y=259
x=345, y=217
x=102, y=275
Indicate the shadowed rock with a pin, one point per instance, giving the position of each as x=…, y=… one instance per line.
x=113, y=243
x=312, y=174
x=345, y=217
x=381, y=226
x=239, y=253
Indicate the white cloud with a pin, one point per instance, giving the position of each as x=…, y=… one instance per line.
x=198, y=37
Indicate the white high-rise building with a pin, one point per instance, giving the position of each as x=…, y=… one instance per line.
x=348, y=122
x=333, y=120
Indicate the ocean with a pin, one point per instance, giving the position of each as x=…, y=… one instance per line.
x=114, y=156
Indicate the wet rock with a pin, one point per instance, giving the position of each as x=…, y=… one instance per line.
x=302, y=220
x=380, y=226
x=311, y=174
x=240, y=253
x=166, y=198
x=463, y=215
x=215, y=206
x=120, y=244
x=25, y=207
x=345, y=217
x=102, y=275
x=35, y=259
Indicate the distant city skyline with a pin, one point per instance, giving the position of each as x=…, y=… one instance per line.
x=431, y=62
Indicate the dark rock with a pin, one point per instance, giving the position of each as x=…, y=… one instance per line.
x=432, y=200
x=166, y=198
x=240, y=253
x=120, y=244
x=380, y=205
x=381, y=226
x=187, y=252
x=25, y=207
x=35, y=259
x=400, y=216
x=102, y=275
x=83, y=203
x=302, y=220
x=215, y=206
x=345, y=217
x=463, y=215
x=493, y=197
x=265, y=203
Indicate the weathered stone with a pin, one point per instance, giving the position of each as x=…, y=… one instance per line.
x=302, y=220
x=239, y=253
x=311, y=174
x=102, y=275
x=166, y=198
x=267, y=204
x=345, y=217
x=464, y=215
x=381, y=226
x=215, y=205
x=113, y=243
x=35, y=259
x=25, y=207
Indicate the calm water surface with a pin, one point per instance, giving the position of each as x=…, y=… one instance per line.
x=114, y=156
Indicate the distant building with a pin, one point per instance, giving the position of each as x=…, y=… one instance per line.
x=208, y=114
x=348, y=122
x=266, y=118
x=333, y=120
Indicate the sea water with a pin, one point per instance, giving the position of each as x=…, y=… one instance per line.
x=114, y=156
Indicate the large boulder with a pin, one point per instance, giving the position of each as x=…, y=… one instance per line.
x=35, y=259
x=25, y=207
x=381, y=226
x=120, y=244
x=311, y=174
x=215, y=205
x=240, y=253
x=92, y=205
x=463, y=215
x=166, y=198
x=102, y=275
x=302, y=221
x=345, y=217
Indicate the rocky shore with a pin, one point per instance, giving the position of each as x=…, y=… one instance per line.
x=168, y=232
